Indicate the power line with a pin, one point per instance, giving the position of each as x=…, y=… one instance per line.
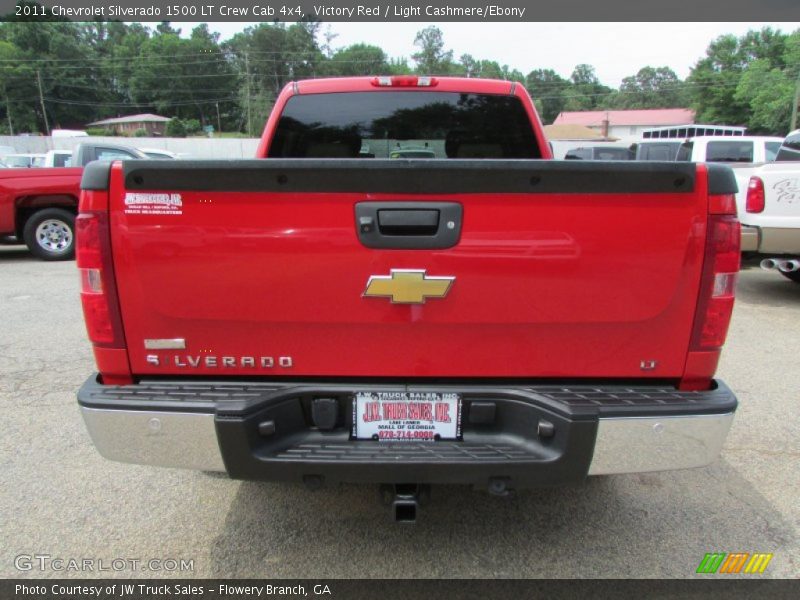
x=140, y=104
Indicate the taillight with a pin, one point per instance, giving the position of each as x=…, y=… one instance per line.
x=755, y=195
x=405, y=81
x=98, y=297
x=720, y=269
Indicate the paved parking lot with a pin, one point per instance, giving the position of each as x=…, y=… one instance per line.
x=60, y=498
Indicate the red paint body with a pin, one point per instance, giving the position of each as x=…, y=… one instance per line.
x=56, y=186
x=547, y=285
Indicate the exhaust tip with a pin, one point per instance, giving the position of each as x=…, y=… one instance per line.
x=789, y=266
x=769, y=264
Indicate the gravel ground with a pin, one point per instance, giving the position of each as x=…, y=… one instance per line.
x=60, y=498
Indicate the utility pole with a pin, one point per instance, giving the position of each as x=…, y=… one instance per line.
x=41, y=101
x=219, y=122
x=247, y=71
x=8, y=114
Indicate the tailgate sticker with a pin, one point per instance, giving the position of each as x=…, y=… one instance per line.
x=153, y=204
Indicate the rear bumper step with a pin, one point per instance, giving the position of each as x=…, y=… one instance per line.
x=535, y=435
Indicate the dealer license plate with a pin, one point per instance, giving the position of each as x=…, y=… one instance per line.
x=406, y=416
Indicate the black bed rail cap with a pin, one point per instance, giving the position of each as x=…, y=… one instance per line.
x=721, y=180
x=413, y=176
x=96, y=175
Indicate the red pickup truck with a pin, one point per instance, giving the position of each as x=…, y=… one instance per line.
x=38, y=206
x=486, y=316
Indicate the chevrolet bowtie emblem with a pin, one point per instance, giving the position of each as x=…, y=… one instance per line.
x=408, y=286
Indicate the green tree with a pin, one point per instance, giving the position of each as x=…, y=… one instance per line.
x=183, y=77
x=175, y=128
x=586, y=91
x=651, y=87
x=549, y=92
x=432, y=58
x=358, y=59
x=713, y=83
x=266, y=57
x=747, y=80
x=60, y=56
x=768, y=84
x=18, y=89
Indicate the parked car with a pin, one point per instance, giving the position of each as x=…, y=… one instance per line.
x=491, y=317
x=768, y=203
x=24, y=161
x=601, y=152
x=38, y=206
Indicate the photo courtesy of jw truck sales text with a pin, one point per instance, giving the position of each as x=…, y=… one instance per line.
x=301, y=299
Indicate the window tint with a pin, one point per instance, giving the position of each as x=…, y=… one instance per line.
x=113, y=154
x=732, y=151
x=790, y=149
x=657, y=151
x=579, y=154
x=771, y=150
x=685, y=151
x=158, y=156
x=404, y=124
x=62, y=160
x=19, y=161
x=612, y=154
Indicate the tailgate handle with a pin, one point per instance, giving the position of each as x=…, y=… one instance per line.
x=408, y=222
x=408, y=225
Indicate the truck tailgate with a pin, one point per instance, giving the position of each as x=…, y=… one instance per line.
x=557, y=269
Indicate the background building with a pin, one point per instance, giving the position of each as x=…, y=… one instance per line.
x=626, y=123
x=152, y=124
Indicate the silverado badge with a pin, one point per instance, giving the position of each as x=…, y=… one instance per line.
x=408, y=286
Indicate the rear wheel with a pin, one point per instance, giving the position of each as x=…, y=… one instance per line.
x=50, y=234
x=794, y=276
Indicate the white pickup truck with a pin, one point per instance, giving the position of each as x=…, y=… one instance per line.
x=730, y=149
x=768, y=203
x=710, y=148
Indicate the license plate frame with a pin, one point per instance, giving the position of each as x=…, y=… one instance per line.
x=407, y=416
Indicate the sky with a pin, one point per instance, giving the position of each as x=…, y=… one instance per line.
x=616, y=50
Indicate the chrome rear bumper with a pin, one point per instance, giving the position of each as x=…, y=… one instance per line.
x=638, y=445
x=599, y=430
x=163, y=439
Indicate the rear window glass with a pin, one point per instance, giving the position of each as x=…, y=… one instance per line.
x=657, y=151
x=790, y=149
x=404, y=125
x=612, y=154
x=729, y=151
x=113, y=154
x=771, y=150
x=579, y=154
x=62, y=160
x=685, y=152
